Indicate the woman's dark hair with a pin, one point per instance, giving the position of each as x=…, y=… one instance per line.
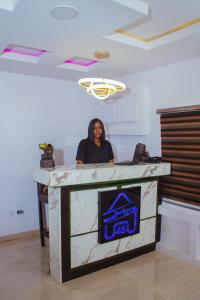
x=91, y=130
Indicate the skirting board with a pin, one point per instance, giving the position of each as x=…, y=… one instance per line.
x=19, y=236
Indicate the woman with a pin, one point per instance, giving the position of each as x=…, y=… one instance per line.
x=95, y=149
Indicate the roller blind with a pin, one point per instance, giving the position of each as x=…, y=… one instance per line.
x=180, y=143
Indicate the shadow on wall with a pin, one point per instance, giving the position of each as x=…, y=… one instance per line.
x=108, y=137
x=58, y=157
x=115, y=97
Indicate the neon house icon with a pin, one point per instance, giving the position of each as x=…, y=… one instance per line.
x=120, y=220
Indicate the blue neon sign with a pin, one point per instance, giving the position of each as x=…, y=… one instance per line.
x=121, y=218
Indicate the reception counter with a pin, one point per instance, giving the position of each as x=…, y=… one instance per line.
x=100, y=215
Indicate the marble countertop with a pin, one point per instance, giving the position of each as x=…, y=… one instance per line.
x=96, y=173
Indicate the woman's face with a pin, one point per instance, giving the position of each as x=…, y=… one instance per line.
x=97, y=130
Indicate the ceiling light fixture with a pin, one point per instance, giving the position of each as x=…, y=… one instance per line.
x=102, y=54
x=24, y=50
x=101, y=88
x=64, y=12
x=80, y=61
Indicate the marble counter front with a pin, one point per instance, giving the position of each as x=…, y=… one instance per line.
x=96, y=173
x=73, y=204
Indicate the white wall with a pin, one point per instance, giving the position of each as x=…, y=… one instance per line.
x=34, y=110
x=169, y=86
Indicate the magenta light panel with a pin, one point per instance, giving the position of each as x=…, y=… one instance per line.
x=84, y=62
x=22, y=53
x=24, y=50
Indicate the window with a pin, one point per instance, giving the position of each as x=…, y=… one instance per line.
x=180, y=138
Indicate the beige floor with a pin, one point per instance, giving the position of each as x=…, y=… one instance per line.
x=154, y=276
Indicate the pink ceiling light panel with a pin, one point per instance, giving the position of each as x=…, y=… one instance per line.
x=80, y=61
x=24, y=51
x=21, y=53
x=81, y=64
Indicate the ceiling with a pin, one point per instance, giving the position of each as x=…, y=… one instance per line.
x=140, y=35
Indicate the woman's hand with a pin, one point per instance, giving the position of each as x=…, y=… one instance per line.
x=111, y=161
x=80, y=162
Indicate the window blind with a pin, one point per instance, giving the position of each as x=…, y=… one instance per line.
x=180, y=143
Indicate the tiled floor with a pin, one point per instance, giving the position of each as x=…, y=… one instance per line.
x=24, y=275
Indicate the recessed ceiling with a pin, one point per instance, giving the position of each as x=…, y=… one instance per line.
x=166, y=28
x=30, y=24
x=8, y=4
x=80, y=64
x=21, y=53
